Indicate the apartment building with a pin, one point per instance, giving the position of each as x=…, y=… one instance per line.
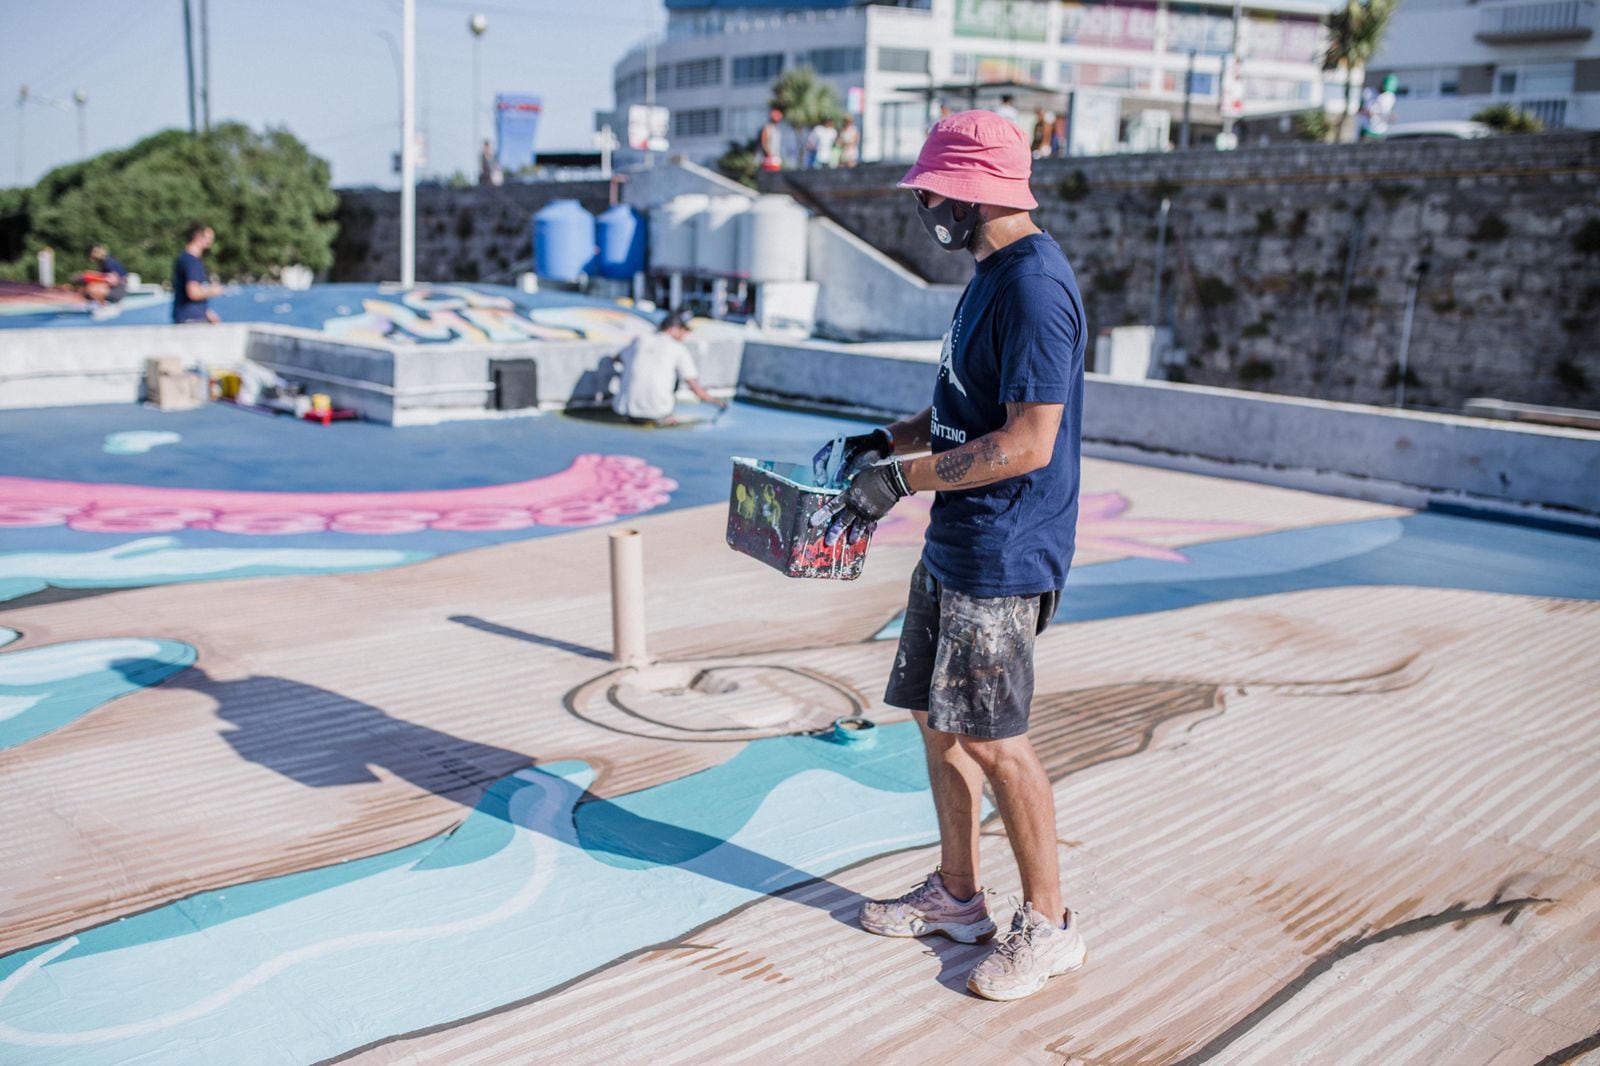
x=893, y=63
x=1454, y=57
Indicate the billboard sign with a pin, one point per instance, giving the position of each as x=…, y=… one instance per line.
x=516, y=129
x=1232, y=103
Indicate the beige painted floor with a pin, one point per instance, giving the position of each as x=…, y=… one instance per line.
x=1346, y=825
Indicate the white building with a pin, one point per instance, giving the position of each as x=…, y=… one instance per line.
x=1454, y=57
x=717, y=60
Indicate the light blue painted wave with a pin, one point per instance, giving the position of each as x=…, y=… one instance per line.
x=1424, y=550
x=43, y=689
x=541, y=884
x=161, y=561
x=138, y=441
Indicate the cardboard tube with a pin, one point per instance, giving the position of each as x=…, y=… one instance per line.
x=627, y=598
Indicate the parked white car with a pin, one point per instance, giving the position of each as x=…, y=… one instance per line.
x=1437, y=131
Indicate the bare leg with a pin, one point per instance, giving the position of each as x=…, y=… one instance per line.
x=1028, y=808
x=957, y=784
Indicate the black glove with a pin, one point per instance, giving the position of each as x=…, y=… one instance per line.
x=857, y=509
x=860, y=451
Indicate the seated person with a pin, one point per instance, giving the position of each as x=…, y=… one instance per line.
x=652, y=366
x=107, y=283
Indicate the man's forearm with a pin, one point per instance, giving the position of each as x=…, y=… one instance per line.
x=990, y=458
x=914, y=434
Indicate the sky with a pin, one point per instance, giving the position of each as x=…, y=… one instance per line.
x=319, y=67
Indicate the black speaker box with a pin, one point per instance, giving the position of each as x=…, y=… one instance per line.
x=516, y=384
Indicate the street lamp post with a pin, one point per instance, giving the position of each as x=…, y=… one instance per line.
x=81, y=100
x=479, y=25
x=26, y=96
x=408, y=143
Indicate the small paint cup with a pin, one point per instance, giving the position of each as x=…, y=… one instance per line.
x=855, y=731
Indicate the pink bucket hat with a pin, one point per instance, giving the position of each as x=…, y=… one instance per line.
x=977, y=156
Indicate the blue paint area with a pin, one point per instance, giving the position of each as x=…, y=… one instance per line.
x=543, y=882
x=44, y=689
x=225, y=448
x=1423, y=550
x=1420, y=550
x=307, y=309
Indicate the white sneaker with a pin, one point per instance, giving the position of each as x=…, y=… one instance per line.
x=1033, y=951
x=930, y=908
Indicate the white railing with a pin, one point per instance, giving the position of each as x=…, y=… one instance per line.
x=1552, y=18
x=1551, y=110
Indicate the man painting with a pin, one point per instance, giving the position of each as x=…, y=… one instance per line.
x=1003, y=429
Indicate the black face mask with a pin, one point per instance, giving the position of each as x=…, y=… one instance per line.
x=942, y=225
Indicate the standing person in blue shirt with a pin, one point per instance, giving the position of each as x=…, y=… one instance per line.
x=192, y=289
x=1003, y=430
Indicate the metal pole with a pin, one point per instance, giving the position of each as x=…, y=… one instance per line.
x=649, y=97
x=22, y=119
x=1188, y=92
x=1405, y=333
x=81, y=98
x=408, y=143
x=205, y=65
x=188, y=58
x=1161, y=250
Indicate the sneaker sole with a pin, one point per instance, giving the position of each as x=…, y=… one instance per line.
x=1020, y=993
x=974, y=933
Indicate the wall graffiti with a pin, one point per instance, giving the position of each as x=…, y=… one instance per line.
x=449, y=313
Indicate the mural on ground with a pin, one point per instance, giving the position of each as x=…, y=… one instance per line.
x=548, y=876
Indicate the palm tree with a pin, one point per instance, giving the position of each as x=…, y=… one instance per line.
x=1354, y=33
x=805, y=100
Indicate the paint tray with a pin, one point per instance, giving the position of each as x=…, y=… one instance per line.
x=769, y=516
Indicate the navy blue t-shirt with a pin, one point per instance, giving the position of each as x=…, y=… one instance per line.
x=186, y=268
x=1017, y=337
x=112, y=265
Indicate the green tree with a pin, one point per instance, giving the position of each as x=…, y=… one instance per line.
x=1355, y=31
x=741, y=162
x=1508, y=118
x=266, y=195
x=805, y=100
x=1313, y=125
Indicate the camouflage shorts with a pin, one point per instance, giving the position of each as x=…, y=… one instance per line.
x=968, y=660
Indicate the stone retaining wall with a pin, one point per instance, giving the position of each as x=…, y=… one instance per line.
x=1286, y=268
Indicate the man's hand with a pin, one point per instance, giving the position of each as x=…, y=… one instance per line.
x=859, y=452
x=856, y=510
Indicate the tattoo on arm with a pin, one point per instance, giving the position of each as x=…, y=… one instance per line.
x=991, y=452
x=952, y=466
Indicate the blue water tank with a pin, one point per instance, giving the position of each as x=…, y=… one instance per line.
x=563, y=241
x=620, y=233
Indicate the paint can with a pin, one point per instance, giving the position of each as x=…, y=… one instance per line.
x=769, y=519
x=854, y=731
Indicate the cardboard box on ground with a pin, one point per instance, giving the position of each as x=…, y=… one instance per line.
x=169, y=386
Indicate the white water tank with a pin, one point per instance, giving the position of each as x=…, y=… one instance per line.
x=672, y=231
x=772, y=240
x=716, y=234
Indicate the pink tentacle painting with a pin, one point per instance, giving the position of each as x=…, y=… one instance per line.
x=594, y=489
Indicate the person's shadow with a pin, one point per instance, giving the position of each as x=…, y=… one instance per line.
x=321, y=739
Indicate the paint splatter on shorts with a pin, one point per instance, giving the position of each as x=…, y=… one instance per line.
x=968, y=660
